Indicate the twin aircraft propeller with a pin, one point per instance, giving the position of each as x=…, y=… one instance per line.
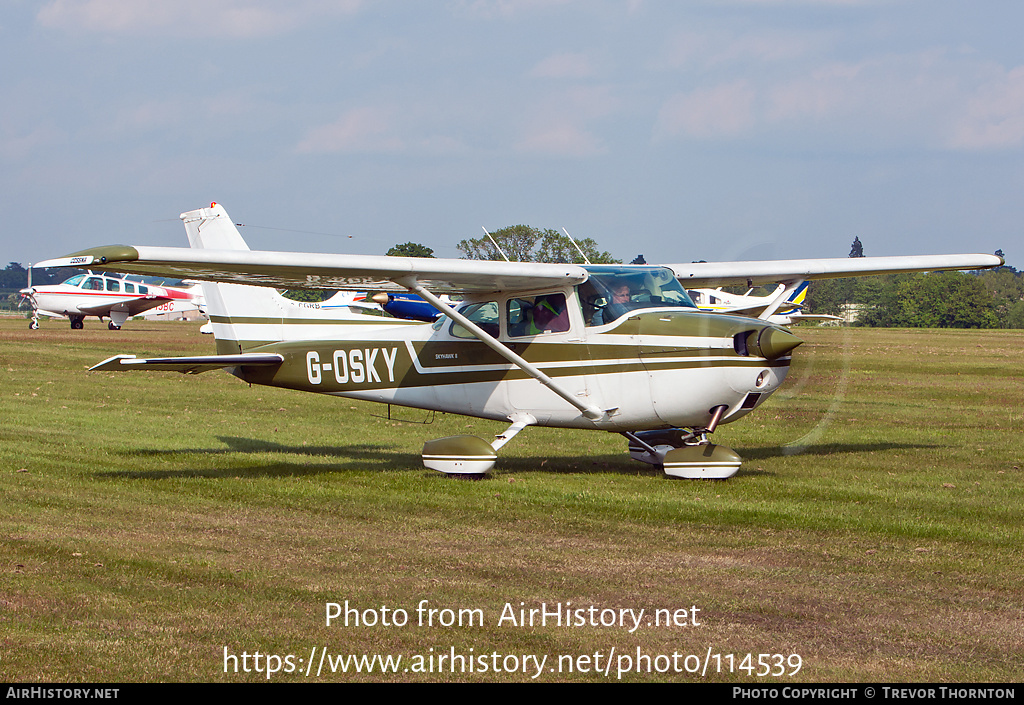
x=620, y=349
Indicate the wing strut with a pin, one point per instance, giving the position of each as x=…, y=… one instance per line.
x=590, y=411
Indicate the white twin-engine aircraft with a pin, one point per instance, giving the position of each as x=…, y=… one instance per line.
x=620, y=349
x=105, y=297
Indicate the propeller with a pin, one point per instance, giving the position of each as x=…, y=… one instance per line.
x=27, y=294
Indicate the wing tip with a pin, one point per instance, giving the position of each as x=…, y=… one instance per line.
x=111, y=363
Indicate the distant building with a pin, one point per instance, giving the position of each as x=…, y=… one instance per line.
x=851, y=313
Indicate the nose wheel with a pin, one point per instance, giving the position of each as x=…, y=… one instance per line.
x=686, y=454
x=77, y=322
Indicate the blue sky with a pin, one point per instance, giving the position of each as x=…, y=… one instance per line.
x=681, y=130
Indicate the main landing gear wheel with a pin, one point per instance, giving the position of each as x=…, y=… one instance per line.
x=77, y=322
x=113, y=326
x=33, y=324
x=459, y=456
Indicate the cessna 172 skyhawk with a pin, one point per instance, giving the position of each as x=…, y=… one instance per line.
x=610, y=348
x=102, y=296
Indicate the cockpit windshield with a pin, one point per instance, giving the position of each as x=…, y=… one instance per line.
x=613, y=291
x=74, y=281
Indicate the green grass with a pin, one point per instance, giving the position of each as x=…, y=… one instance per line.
x=151, y=520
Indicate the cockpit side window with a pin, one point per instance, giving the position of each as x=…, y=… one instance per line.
x=612, y=292
x=93, y=284
x=483, y=314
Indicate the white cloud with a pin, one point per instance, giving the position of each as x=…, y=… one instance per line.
x=560, y=124
x=503, y=9
x=235, y=18
x=994, y=115
x=358, y=130
x=934, y=99
x=725, y=110
x=560, y=139
x=17, y=147
x=150, y=115
x=566, y=65
x=688, y=49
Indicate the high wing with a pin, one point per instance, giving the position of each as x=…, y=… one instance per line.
x=299, y=270
x=712, y=274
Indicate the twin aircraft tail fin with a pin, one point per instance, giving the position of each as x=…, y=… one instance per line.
x=798, y=296
x=795, y=302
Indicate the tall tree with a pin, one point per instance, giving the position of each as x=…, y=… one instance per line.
x=1006, y=287
x=13, y=276
x=857, y=249
x=410, y=249
x=523, y=243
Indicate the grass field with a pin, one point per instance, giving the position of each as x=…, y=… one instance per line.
x=153, y=523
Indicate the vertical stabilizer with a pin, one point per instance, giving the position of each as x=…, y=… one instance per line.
x=212, y=229
x=246, y=317
x=233, y=308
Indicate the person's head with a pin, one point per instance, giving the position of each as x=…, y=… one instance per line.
x=620, y=294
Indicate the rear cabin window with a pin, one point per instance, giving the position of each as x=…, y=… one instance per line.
x=113, y=285
x=536, y=315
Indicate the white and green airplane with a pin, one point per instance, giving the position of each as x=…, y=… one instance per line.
x=620, y=349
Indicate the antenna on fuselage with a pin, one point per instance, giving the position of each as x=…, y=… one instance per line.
x=585, y=260
x=496, y=245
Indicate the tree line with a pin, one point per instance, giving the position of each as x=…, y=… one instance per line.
x=992, y=298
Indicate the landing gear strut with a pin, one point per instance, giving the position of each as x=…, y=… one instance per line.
x=686, y=453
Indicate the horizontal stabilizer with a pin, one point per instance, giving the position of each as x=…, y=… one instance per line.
x=187, y=365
